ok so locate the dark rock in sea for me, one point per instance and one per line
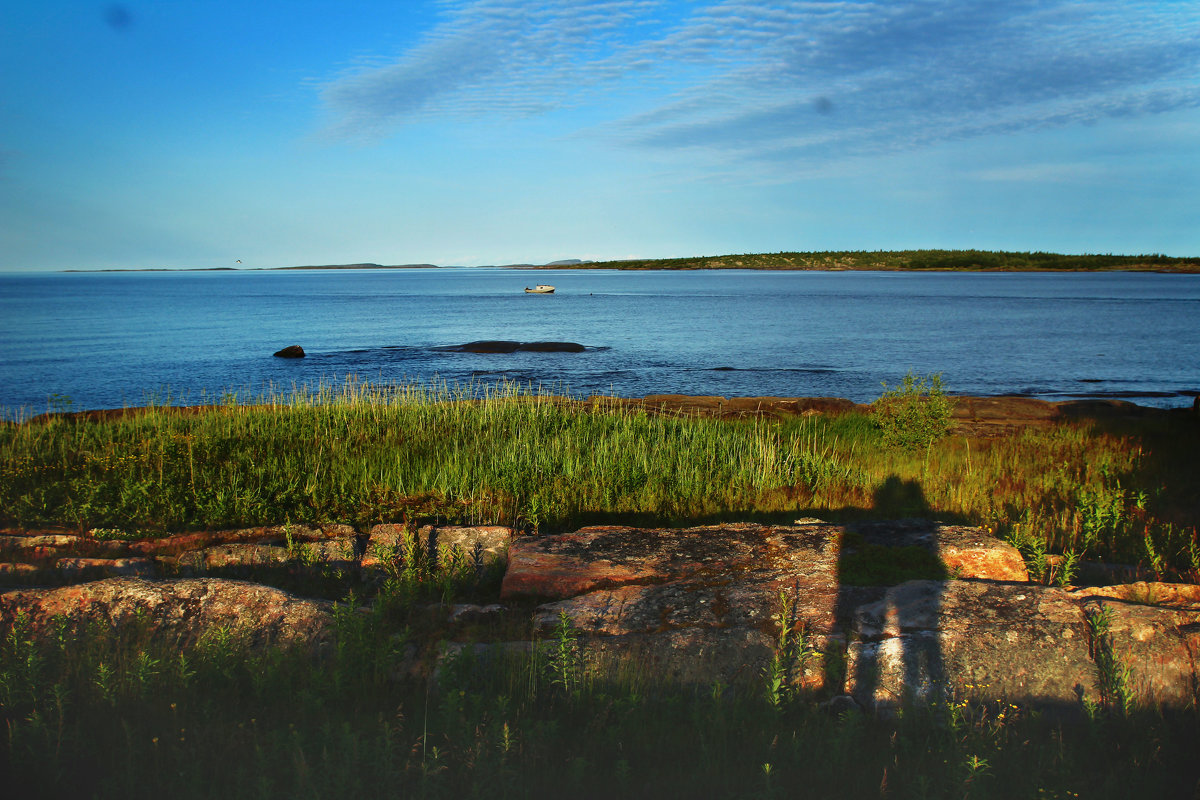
(293, 351)
(552, 347)
(497, 346)
(487, 346)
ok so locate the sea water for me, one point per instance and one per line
(107, 340)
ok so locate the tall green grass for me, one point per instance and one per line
(359, 454)
(121, 714)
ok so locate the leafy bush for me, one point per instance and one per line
(914, 414)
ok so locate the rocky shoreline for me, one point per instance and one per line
(687, 605)
(700, 605)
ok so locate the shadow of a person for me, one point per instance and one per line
(890, 584)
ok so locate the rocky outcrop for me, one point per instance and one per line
(232, 555)
(1181, 596)
(707, 603)
(291, 351)
(177, 611)
(934, 640)
(693, 605)
(186, 542)
(66, 558)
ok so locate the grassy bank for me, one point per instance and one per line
(121, 714)
(912, 260)
(362, 456)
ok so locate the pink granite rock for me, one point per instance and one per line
(178, 611)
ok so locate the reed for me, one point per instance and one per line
(509, 454)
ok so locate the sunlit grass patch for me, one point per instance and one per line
(362, 454)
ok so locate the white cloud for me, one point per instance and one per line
(787, 80)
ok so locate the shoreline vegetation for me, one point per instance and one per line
(842, 260)
(117, 713)
(1121, 488)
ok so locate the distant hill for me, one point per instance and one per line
(957, 260)
(363, 266)
(912, 260)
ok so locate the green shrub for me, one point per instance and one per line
(914, 414)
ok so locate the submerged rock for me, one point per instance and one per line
(292, 351)
(487, 346)
(551, 347)
(504, 346)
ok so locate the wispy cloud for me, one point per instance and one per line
(1041, 173)
(489, 58)
(787, 80)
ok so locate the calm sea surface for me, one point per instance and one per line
(106, 340)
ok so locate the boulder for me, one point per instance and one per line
(551, 347)
(505, 346)
(972, 552)
(38, 547)
(228, 556)
(291, 351)
(49, 541)
(185, 542)
(487, 346)
(265, 554)
(707, 604)
(179, 612)
(483, 544)
(936, 640)
(618, 580)
(1160, 646)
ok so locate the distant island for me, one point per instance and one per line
(961, 260)
(829, 260)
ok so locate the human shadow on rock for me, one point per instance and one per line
(890, 585)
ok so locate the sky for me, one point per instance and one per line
(206, 133)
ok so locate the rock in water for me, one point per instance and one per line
(293, 351)
(504, 346)
(488, 346)
(551, 347)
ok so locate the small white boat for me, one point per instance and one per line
(541, 288)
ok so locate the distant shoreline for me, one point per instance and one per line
(823, 261)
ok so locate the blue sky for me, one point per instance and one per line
(194, 134)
